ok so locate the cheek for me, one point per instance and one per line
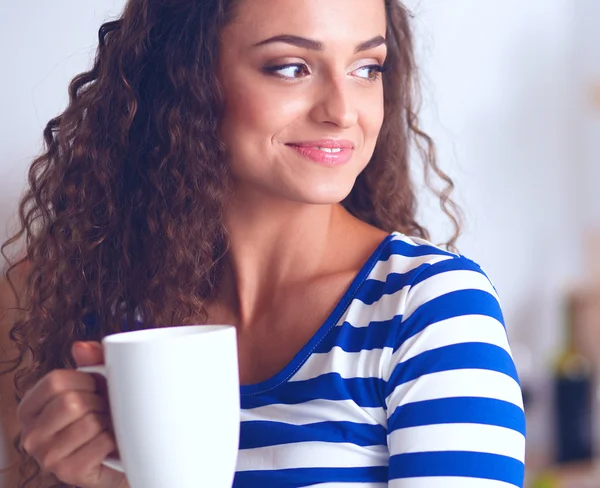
(373, 113)
(380, 107)
(258, 110)
(378, 120)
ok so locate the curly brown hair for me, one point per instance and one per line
(123, 214)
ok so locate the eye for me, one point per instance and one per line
(289, 71)
(371, 72)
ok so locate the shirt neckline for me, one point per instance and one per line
(301, 357)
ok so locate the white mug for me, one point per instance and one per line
(175, 405)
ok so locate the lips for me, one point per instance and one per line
(327, 152)
(325, 143)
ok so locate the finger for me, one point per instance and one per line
(90, 353)
(51, 385)
(87, 353)
(60, 412)
(70, 439)
(84, 466)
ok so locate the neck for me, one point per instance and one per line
(273, 244)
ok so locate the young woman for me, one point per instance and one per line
(247, 162)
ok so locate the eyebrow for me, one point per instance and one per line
(313, 45)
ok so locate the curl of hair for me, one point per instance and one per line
(123, 214)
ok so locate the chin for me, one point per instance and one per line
(324, 196)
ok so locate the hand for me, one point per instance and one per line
(66, 424)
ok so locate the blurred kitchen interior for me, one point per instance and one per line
(512, 97)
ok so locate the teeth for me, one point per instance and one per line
(330, 149)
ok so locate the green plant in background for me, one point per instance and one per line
(545, 480)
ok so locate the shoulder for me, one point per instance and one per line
(10, 313)
(13, 304)
(413, 284)
(448, 319)
(12, 297)
(417, 268)
(417, 258)
(445, 309)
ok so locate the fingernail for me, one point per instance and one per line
(79, 345)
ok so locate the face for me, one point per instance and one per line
(303, 95)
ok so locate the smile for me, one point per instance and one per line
(324, 156)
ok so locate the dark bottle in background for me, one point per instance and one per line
(573, 396)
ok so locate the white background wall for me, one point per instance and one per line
(499, 100)
(505, 82)
(507, 98)
(498, 92)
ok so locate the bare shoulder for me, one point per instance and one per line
(9, 426)
(11, 302)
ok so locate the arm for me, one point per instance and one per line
(455, 412)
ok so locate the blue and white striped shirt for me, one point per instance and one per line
(409, 383)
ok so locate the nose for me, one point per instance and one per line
(335, 104)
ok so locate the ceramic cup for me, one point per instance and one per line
(175, 405)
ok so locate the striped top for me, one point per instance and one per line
(409, 383)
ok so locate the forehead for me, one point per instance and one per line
(329, 21)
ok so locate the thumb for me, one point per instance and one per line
(87, 353)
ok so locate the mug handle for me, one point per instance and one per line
(110, 462)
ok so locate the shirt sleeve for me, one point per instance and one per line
(453, 399)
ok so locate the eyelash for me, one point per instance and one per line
(379, 70)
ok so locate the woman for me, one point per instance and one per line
(247, 162)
